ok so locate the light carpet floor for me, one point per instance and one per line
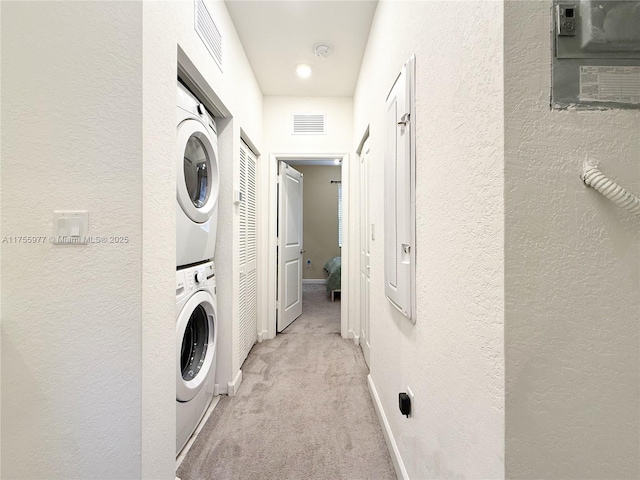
(303, 410)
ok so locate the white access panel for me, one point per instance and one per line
(399, 193)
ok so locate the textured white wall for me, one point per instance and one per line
(71, 315)
(572, 275)
(453, 357)
(158, 252)
(277, 121)
(96, 379)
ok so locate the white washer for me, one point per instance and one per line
(197, 181)
(196, 339)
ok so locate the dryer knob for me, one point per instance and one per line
(200, 276)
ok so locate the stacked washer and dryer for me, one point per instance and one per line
(196, 228)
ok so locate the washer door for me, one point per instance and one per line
(197, 171)
(195, 342)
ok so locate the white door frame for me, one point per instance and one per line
(268, 248)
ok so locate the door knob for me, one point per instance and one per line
(302, 251)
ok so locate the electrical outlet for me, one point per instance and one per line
(413, 401)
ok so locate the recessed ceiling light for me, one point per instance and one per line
(303, 70)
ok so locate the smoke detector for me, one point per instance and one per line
(321, 50)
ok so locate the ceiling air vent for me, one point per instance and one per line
(209, 33)
(308, 124)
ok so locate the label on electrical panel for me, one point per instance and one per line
(610, 84)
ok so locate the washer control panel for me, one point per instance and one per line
(193, 278)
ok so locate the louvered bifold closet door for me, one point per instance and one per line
(248, 299)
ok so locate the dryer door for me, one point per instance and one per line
(195, 341)
(197, 171)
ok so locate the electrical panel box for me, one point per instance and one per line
(400, 193)
(596, 57)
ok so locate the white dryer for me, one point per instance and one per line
(196, 339)
(197, 181)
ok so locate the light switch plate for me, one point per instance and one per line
(70, 227)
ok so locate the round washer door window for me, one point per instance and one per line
(195, 345)
(197, 168)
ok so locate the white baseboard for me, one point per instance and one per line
(262, 336)
(233, 386)
(396, 459)
(356, 338)
(314, 281)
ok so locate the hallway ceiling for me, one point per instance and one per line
(278, 35)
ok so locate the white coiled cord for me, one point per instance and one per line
(597, 180)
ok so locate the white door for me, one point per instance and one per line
(365, 252)
(289, 246)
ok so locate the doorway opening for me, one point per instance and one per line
(298, 254)
(310, 192)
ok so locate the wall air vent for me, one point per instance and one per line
(309, 124)
(208, 32)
